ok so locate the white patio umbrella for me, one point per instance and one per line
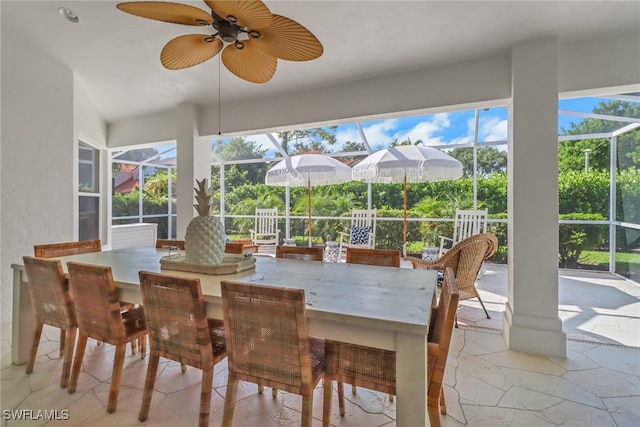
(407, 164)
(307, 170)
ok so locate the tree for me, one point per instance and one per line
(304, 140)
(238, 148)
(158, 185)
(490, 160)
(571, 154)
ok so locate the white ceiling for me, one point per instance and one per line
(116, 56)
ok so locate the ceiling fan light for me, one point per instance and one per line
(228, 32)
(239, 45)
(254, 34)
(232, 19)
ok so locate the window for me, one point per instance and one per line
(88, 192)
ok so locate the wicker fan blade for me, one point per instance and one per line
(187, 51)
(286, 39)
(250, 63)
(252, 14)
(167, 12)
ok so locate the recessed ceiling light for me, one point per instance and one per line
(68, 15)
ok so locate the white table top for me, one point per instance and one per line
(388, 298)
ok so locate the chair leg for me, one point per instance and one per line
(274, 392)
(326, 405)
(77, 362)
(307, 409)
(116, 376)
(69, 343)
(341, 399)
(205, 396)
(230, 400)
(434, 414)
(143, 345)
(353, 389)
(152, 371)
(34, 348)
(443, 404)
(482, 304)
(63, 335)
(183, 368)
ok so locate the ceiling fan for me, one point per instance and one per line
(254, 37)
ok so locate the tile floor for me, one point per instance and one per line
(598, 384)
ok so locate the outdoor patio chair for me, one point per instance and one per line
(268, 343)
(375, 368)
(179, 330)
(382, 257)
(265, 231)
(53, 306)
(362, 231)
(99, 316)
(305, 253)
(467, 223)
(168, 243)
(54, 250)
(465, 258)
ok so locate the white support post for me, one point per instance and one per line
(531, 323)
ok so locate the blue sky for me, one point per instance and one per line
(444, 128)
(440, 129)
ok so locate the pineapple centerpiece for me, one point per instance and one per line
(205, 239)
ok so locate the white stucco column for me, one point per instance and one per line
(531, 323)
(193, 162)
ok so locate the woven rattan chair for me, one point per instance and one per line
(268, 343)
(54, 250)
(305, 253)
(241, 246)
(53, 306)
(179, 330)
(168, 243)
(465, 258)
(382, 257)
(99, 316)
(376, 368)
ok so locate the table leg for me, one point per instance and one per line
(411, 380)
(23, 320)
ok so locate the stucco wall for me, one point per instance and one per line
(37, 156)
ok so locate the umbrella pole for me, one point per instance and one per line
(404, 241)
(309, 201)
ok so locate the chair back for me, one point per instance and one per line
(49, 292)
(469, 223)
(96, 302)
(361, 220)
(442, 329)
(54, 250)
(266, 335)
(467, 256)
(176, 319)
(305, 253)
(266, 222)
(168, 243)
(382, 257)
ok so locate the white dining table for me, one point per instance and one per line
(383, 307)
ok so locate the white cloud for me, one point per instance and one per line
(426, 130)
(493, 129)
